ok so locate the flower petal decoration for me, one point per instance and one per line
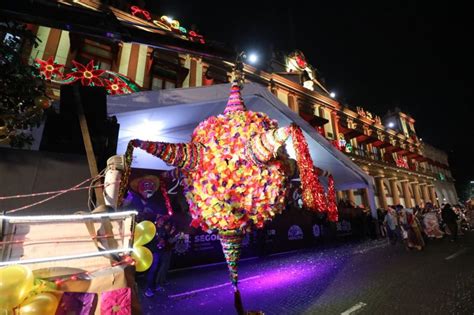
(49, 69)
(88, 75)
(116, 86)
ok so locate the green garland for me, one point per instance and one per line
(126, 173)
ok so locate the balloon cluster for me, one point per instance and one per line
(22, 294)
(144, 232)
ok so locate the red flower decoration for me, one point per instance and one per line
(49, 68)
(87, 74)
(116, 86)
(300, 60)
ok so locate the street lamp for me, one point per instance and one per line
(391, 125)
(332, 94)
(252, 58)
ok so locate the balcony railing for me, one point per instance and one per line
(367, 154)
(371, 156)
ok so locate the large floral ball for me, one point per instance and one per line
(229, 191)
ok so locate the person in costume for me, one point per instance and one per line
(431, 223)
(141, 197)
(415, 238)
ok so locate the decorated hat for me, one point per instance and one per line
(135, 182)
(235, 102)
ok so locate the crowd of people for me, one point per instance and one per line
(413, 226)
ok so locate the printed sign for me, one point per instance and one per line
(295, 233)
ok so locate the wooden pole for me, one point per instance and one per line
(99, 193)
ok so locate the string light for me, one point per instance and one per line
(67, 257)
(52, 197)
(47, 193)
(85, 275)
(69, 217)
(28, 242)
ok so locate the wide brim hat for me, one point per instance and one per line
(134, 183)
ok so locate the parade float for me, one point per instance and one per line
(235, 182)
(235, 176)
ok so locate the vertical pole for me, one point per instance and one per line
(99, 194)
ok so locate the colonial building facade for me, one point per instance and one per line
(164, 55)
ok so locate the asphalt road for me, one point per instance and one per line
(371, 277)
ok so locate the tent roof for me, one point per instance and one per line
(171, 116)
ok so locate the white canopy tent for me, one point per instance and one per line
(172, 115)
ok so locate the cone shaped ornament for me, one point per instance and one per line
(182, 155)
(231, 241)
(264, 146)
(235, 102)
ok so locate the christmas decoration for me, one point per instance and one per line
(42, 102)
(89, 75)
(138, 11)
(49, 69)
(115, 83)
(116, 86)
(168, 24)
(19, 87)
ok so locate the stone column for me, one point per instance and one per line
(433, 195)
(350, 196)
(381, 191)
(365, 198)
(406, 193)
(394, 189)
(335, 124)
(416, 192)
(426, 194)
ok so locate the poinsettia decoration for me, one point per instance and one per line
(87, 74)
(116, 87)
(49, 69)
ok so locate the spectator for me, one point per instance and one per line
(381, 213)
(391, 225)
(168, 237)
(450, 219)
(161, 247)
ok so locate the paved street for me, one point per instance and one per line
(370, 277)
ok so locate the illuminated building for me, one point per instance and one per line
(160, 53)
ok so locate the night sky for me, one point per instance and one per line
(376, 55)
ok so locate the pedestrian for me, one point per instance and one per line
(403, 223)
(381, 213)
(168, 237)
(450, 219)
(161, 247)
(391, 226)
(153, 271)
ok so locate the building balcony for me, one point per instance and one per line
(365, 157)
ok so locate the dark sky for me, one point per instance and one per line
(376, 55)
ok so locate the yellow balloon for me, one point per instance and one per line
(16, 282)
(4, 311)
(40, 304)
(144, 232)
(143, 258)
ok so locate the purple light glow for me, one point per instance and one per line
(297, 274)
